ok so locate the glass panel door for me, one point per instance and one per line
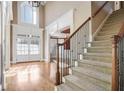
(22, 48)
(34, 48)
(27, 48)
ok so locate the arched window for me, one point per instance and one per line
(28, 13)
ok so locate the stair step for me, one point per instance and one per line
(105, 37)
(114, 22)
(108, 32)
(118, 11)
(100, 66)
(94, 74)
(96, 63)
(111, 24)
(82, 83)
(65, 87)
(116, 17)
(112, 27)
(99, 79)
(101, 43)
(99, 50)
(105, 57)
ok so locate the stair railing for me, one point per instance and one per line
(117, 59)
(53, 46)
(70, 51)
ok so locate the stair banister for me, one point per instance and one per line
(115, 58)
(66, 54)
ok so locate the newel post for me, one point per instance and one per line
(57, 72)
(115, 79)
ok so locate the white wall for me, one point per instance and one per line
(54, 30)
(27, 30)
(55, 10)
(98, 19)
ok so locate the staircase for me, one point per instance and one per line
(94, 72)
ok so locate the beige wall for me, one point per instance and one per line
(101, 15)
(54, 10)
(41, 17)
(42, 25)
(15, 14)
(14, 21)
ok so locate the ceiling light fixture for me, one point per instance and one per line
(36, 3)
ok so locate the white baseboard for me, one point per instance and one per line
(46, 60)
(101, 25)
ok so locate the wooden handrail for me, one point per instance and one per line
(88, 19)
(97, 12)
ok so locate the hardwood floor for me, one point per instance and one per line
(33, 76)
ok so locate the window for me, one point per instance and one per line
(27, 45)
(22, 47)
(34, 47)
(28, 13)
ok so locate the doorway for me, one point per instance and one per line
(27, 44)
(27, 48)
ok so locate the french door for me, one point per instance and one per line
(27, 48)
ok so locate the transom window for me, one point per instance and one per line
(28, 13)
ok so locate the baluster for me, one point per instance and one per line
(74, 51)
(68, 60)
(76, 46)
(57, 73)
(66, 57)
(61, 64)
(70, 53)
(63, 61)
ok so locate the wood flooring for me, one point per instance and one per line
(31, 76)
